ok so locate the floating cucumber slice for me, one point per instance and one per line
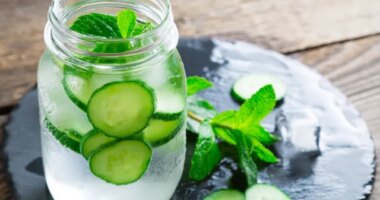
(79, 85)
(54, 102)
(121, 109)
(160, 131)
(121, 162)
(226, 194)
(170, 104)
(265, 192)
(67, 138)
(248, 85)
(92, 141)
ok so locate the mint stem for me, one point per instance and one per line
(195, 117)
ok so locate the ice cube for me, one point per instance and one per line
(299, 130)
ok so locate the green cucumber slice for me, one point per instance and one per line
(121, 109)
(121, 162)
(248, 85)
(79, 85)
(160, 131)
(92, 141)
(170, 104)
(226, 194)
(265, 192)
(68, 138)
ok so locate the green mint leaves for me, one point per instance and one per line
(124, 25)
(96, 24)
(126, 21)
(196, 84)
(206, 155)
(240, 128)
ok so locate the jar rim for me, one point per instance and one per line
(68, 45)
(58, 25)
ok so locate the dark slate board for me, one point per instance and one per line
(344, 169)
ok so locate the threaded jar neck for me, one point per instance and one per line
(78, 49)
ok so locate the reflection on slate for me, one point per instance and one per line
(344, 169)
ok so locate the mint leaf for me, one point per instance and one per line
(141, 28)
(202, 109)
(262, 152)
(245, 160)
(196, 84)
(223, 123)
(96, 24)
(257, 107)
(259, 133)
(126, 21)
(206, 154)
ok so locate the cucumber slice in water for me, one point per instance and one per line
(265, 192)
(79, 85)
(121, 109)
(92, 141)
(160, 131)
(121, 162)
(68, 138)
(170, 104)
(248, 85)
(226, 194)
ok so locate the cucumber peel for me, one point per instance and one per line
(226, 194)
(121, 162)
(248, 85)
(92, 141)
(159, 131)
(121, 109)
(68, 138)
(265, 192)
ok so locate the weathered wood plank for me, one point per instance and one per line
(281, 25)
(354, 67)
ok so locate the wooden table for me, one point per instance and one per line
(339, 38)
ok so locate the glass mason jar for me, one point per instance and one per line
(112, 111)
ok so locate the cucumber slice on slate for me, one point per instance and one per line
(160, 131)
(226, 194)
(92, 141)
(121, 162)
(248, 85)
(121, 109)
(265, 192)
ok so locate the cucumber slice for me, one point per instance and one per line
(77, 86)
(121, 109)
(226, 194)
(248, 85)
(92, 141)
(265, 192)
(121, 162)
(69, 138)
(160, 131)
(170, 105)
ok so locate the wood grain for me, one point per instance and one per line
(281, 25)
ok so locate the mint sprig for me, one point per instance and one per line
(124, 25)
(126, 21)
(206, 155)
(240, 128)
